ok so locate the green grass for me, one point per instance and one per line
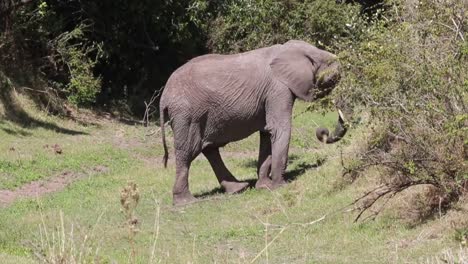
(45, 163)
(221, 228)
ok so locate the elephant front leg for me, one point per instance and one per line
(229, 183)
(279, 156)
(264, 162)
(278, 123)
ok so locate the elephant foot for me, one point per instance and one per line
(278, 184)
(264, 184)
(234, 187)
(183, 199)
(269, 184)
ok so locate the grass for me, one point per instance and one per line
(268, 227)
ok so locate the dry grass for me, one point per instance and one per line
(449, 256)
(63, 245)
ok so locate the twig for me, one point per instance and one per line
(33, 90)
(149, 106)
(283, 210)
(283, 228)
(384, 190)
(271, 242)
(312, 222)
(457, 26)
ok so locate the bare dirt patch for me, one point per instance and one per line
(43, 187)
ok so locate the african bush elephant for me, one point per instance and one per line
(216, 99)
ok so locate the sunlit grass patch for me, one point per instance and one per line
(306, 221)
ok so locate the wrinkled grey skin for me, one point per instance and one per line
(216, 99)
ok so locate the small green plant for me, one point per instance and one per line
(461, 235)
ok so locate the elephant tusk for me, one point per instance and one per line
(341, 116)
(325, 138)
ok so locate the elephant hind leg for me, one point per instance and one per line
(229, 183)
(187, 143)
(181, 192)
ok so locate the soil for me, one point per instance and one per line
(42, 187)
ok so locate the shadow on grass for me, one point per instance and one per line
(219, 190)
(252, 162)
(16, 114)
(13, 131)
(289, 176)
(300, 169)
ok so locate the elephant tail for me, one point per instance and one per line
(162, 111)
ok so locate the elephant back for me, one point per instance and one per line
(225, 77)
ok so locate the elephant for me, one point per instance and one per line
(215, 99)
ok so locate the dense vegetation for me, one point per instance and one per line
(411, 72)
(98, 52)
(405, 63)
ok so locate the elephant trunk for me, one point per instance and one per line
(329, 76)
(341, 128)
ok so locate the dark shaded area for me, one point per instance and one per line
(368, 7)
(134, 45)
(14, 132)
(252, 162)
(219, 190)
(215, 191)
(17, 115)
(289, 176)
(300, 169)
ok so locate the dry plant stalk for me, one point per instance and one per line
(156, 225)
(129, 198)
(59, 245)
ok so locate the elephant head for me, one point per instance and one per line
(310, 73)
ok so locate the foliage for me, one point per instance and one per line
(235, 26)
(411, 73)
(61, 52)
(100, 50)
(461, 235)
(82, 85)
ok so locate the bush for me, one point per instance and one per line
(82, 86)
(59, 51)
(99, 51)
(411, 73)
(235, 26)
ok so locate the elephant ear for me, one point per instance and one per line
(296, 70)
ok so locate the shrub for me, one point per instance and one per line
(244, 25)
(82, 86)
(411, 73)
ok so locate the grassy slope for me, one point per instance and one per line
(221, 229)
